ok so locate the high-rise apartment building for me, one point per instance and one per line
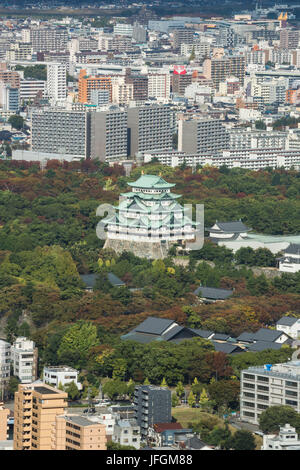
(149, 129)
(5, 358)
(139, 83)
(46, 39)
(109, 135)
(4, 413)
(289, 38)
(269, 385)
(152, 405)
(87, 83)
(9, 97)
(202, 135)
(182, 36)
(219, 69)
(74, 432)
(180, 82)
(11, 77)
(24, 357)
(35, 409)
(159, 84)
(57, 81)
(60, 131)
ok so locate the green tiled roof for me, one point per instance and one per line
(151, 181)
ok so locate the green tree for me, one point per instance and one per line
(72, 391)
(272, 418)
(243, 440)
(191, 399)
(16, 121)
(77, 342)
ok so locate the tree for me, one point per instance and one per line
(72, 391)
(164, 383)
(191, 399)
(175, 400)
(204, 400)
(243, 440)
(16, 121)
(77, 342)
(180, 390)
(273, 417)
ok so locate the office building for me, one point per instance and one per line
(30, 88)
(35, 409)
(57, 81)
(149, 128)
(108, 135)
(269, 385)
(202, 135)
(61, 132)
(24, 356)
(61, 375)
(152, 405)
(75, 432)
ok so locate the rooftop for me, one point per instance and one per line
(151, 182)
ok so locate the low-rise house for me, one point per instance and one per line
(287, 439)
(127, 433)
(90, 281)
(194, 443)
(290, 326)
(167, 434)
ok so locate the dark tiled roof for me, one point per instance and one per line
(213, 293)
(194, 443)
(226, 347)
(203, 333)
(287, 321)
(247, 337)
(262, 345)
(235, 226)
(140, 337)
(154, 325)
(264, 334)
(114, 280)
(293, 249)
(89, 280)
(220, 337)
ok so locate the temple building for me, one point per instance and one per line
(148, 220)
(228, 231)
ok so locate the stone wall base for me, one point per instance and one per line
(155, 250)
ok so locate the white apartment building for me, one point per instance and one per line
(287, 439)
(159, 84)
(122, 93)
(269, 385)
(241, 138)
(56, 375)
(5, 357)
(57, 81)
(123, 29)
(24, 357)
